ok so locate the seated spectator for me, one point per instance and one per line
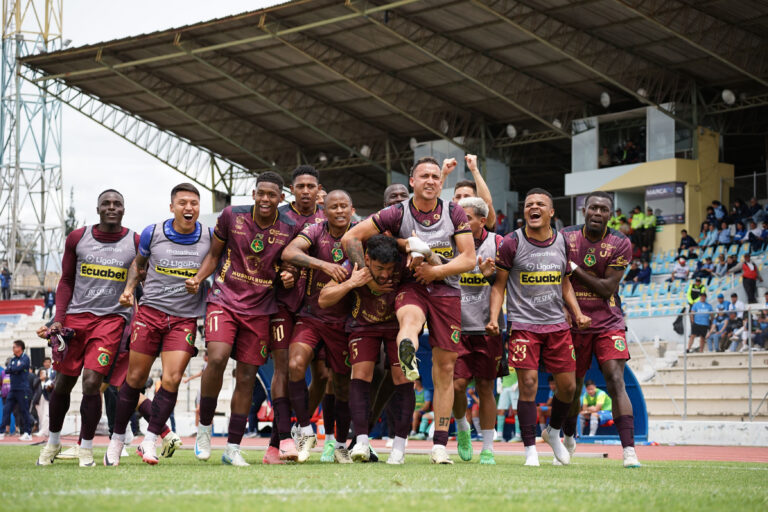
(719, 210)
(721, 267)
(718, 328)
(595, 406)
(755, 211)
(738, 335)
(679, 271)
(422, 412)
(724, 235)
(734, 324)
(634, 269)
(759, 332)
(545, 409)
(705, 270)
(687, 241)
(737, 305)
(765, 299)
(700, 321)
(740, 235)
(755, 237)
(711, 239)
(644, 277)
(739, 212)
(710, 219)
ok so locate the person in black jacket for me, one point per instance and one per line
(20, 392)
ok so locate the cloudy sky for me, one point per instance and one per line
(94, 159)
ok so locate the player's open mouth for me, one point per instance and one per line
(535, 215)
(188, 216)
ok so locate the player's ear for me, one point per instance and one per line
(253, 194)
(170, 207)
(282, 197)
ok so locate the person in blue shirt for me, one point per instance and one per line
(740, 234)
(49, 300)
(719, 210)
(20, 392)
(719, 325)
(700, 319)
(711, 237)
(5, 283)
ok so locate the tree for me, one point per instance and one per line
(70, 223)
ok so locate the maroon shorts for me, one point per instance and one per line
(332, 336)
(555, 349)
(248, 334)
(605, 345)
(281, 329)
(483, 360)
(119, 370)
(155, 331)
(95, 344)
(443, 316)
(365, 346)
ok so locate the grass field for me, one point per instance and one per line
(184, 484)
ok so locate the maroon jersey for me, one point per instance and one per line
(323, 246)
(370, 310)
(613, 250)
(293, 297)
(391, 219)
(244, 279)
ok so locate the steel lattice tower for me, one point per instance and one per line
(31, 195)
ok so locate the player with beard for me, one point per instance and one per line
(423, 225)
(166, 320)
(486, 352)
(598, 257)
(318, 248)
(93, 273)
(305, 210)
(245, 253)
(532, 265)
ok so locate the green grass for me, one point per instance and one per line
(184, 484)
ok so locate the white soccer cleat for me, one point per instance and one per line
(85, 455)
(148, 452)
(531, 456)
(440, 455)
(305, 445)
(295, 433)
(630, 458)
(170, 442)
(25, 437)
(115, 450)
(203, 442)
(570, 444)
(396, 457)
(47, 454)
(561, 452)
(233, 457)
(341, 455)
(361, 453)
(70, 453)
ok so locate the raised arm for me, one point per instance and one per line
(483, 192)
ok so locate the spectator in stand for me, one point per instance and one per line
(625, 228)
(740, 235)
(644, 277)
(755, 212)
(759, 332)
(558, 222)
(686, 240)
(634, 269)
(605, 158)
(49, 301)
(737, 305)
(710, 219)
(719, 210)
(721, 267)
(18, 368)
(694, 291)
(732, 265)
(765, 297)
(679, 271)
(711, 239)
(749, 278)
(733, 329)
(700, 322)
(718, 328)
(502, 223)
(705, 270)
(422, 411)
(617, 219)
(636, 223)
(649, 228)
(764, 234)
(595, 407)
(5, 283)
(724, 236)
(755, 237)
(739, 212)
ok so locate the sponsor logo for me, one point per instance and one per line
(590, 260)
(621, 260)
(573, 353)
(263, 351)
(104, 261)
(337, 254)
(541, 278)
(190, 338)
(446, 252)
(257, 245)
(619, 343)
(456, 336)
(103, 272)
(177, 252)
(469, 279)
(184, 273)
(346, 359)
(100, 292)
(543, 299)
(103, 359)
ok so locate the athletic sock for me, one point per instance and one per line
(360, 405)
(118, 437)
(500, 424)
(151, 438)
(423, 425)
(299, 396)
(162, 407)
(362, 439)
(236, 428)
(330, 439)
(569, 425)
(54, 438)
(625, 424)
(307, 431)
(403, 403)
(145, 410)
(398, 443)
(87, 444)
(329, 412)
(517, 426)
(488, 439)
(207, 410)
(559, 412)
(526, 411)
(90, 414)
(476, 424)
(440, 437)
(233, 446)
(165, 432)
(343, 420)
(462, 425)
(57, 410)
(593, 424)
(282, 408)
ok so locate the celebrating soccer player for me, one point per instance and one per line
(431, 293)
(170, 252)
(94, 269)
(598, 257)
(245, 250)
(532, 265)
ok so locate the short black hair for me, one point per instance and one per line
(305, 169)
(19, 343)
(465, 183)
(424, 160)
(598, 193)
(107, 191)
(389, 189)
(46, 359)
(685, 231)
(537, 190)
(551, 378)
(589, 382)
(184, 187)
(734, 295)
(383, 249)
(270, 177)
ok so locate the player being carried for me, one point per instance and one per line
(533, 266)
(431, 292)
(165, 323)
(598, 257)
(245, 251)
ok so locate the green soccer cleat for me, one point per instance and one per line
(486, 457)
(328, 449)
(464, 440)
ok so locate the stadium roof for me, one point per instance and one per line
(346, 85)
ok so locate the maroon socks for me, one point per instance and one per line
(329, 412)
(626, 427)
(236, 428)
(207, 409)
(127, 398)
(526, 413)
(299, 395)
(559, 412)
(162, 407)
(360, 404)
(90, 414)
(57, 410)
(569, 425)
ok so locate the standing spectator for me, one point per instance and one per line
(617, 219)
(710, 219)
(47, 375)
(649, 228)
(738, 212)
(718, 329)
(19, 392)
(686, 240)
(558, 222)
(719, 210)
(700, 321)
(605, 158)
(679, 271)
(5, 283)
(636, 223)
(625, 228)
(502, 223)
(724, 236)
(49, 301)
(750, 276)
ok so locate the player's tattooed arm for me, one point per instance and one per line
(207, 267)
(497, 297)
(352, 241)
(334, 291)
(606, 286)
(135, 272)
(296, 254)
(581, 320)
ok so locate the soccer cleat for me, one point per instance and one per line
(374, 456)
(170, 442)
(232, 457)
(86, 457)
(124, 452)
(272, 455)
(115, 450)
(47, 454)
(406, 353)
(440, 455)
(421, 436)
(328, 449)
(464, 441)
(630, 458)
(560, 451)
(295, 432)
(396, 457)
(25, 437)
(532, 459)
(361, 453)
(70, 453)
(148, 452)
(306, 443)
(203, 442)
(486, 457)
(287, 450)
(341, 455)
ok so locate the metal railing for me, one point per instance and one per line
(745, 186)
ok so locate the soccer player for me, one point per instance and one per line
(532, 265)
(598, 257)
(245, 249)
(468, 188)
(395, 193)
(318, 248)
(304, 212)
(431, 292)
(483, 361)
(93, 273)
(165, 323)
